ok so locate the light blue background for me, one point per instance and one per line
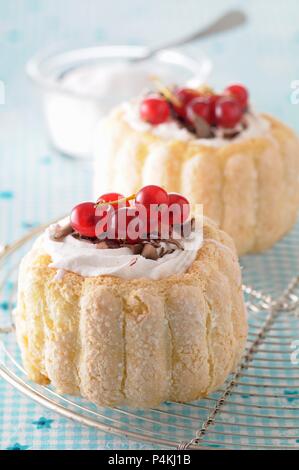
(36, 184)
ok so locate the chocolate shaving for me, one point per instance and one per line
(105, 244)
(149, 252)
(155, 243)
(149, 248)
(162, 252)
(92, 240)
(202, 128)
(137, 248)
(165, 251)
(231, 134)
(102, 245)
(173, 241)
(134, 261)
(58, 232)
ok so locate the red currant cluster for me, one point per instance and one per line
(219, 110)
(150, 212)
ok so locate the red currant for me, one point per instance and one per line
(239, 92)
(154, 110)
(83, 219)
(105, 211)
(151, 194)
(184, 95)
(180, 211)
(151, 197)
(199, 107)
(126, 225)
(228, 112)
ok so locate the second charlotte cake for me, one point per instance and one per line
(243, 167)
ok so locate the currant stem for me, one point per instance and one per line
(166, 92)
(117, 201)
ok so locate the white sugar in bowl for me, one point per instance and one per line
(80, 86)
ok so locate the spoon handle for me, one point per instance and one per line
(226, 22)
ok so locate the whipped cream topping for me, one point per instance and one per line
(84, 258)
(255, 126)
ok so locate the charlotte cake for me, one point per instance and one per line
(243, 166)
(124, 322)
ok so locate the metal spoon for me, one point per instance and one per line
(230, 20)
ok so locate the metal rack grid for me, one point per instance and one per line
(258, 406)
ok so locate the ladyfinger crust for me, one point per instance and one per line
(134, 342)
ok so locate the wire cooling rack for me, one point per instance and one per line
(258, 406)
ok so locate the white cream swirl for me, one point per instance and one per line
(82, 257)
(256, 126)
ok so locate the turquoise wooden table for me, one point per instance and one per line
(37, 185)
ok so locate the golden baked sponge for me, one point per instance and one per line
(134, 342)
